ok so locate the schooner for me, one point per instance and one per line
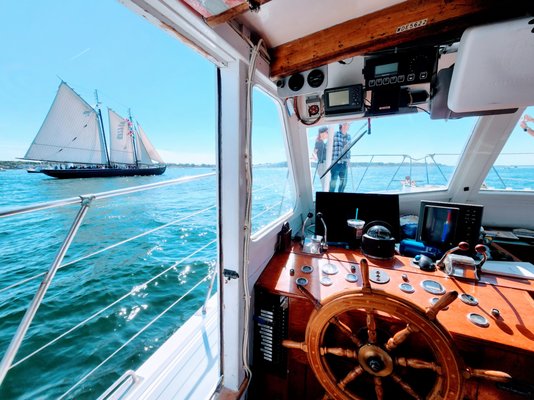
(72, 135)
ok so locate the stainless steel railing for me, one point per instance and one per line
(85, 201)
(413, 165)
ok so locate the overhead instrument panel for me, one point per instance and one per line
(307, 82)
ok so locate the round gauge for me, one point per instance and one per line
(296, 82)
(329, 269)
(478, 320)
(307, 269)
(406, 287)
(315, 78)
(351, 278)
(433, 287)
(302, 281)
(468, 299)
(326, 280)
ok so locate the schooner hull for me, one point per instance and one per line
(102, 172)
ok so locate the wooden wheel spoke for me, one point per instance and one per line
(443, 302)
(339, 351)
(346, 330)
(407, 388)
(335, 320)
(371, 327)
(379, 390)
(399, 337)
(326, 397)
(353, 374)
(418, 364)
(291, 344)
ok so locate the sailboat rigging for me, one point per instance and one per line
(73, 133)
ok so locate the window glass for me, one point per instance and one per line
(273, 191)
(403, 153)
(514, 168)
(140, 264)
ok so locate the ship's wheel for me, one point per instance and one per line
(368, 344)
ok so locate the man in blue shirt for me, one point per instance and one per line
(339, 171)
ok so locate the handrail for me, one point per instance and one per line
(93, 316)
(45, 284)
(118, 383)
(144, 328)
(84, 201)
(101, 195)
(31, 278)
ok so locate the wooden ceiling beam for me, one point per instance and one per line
(232, 13)
(430, 19)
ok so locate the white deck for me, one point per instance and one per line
(187, 366)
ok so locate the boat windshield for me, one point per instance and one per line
(514, 168)
(402, 153)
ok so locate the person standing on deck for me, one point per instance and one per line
(319, 153)
(339, 171)
(523, 124)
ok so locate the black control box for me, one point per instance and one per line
(400, 69)
(270, 329)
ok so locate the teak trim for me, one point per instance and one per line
(445, 19)
(232, 13)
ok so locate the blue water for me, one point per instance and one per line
(384, 177)
(30, 242)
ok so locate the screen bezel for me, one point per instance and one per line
(469, 234)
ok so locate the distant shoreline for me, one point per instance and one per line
(25, 165)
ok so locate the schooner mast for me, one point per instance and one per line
(133, 136)
(102, 129)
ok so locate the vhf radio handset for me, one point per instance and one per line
(315, 244)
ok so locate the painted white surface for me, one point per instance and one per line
(284, 21)
(187, 366)
(494, 68)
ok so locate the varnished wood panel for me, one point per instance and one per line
(514, 328)
(508, 344)
(444, 20)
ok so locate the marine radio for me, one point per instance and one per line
(400, 69)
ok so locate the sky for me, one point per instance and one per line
(102, 45)
(169, 88)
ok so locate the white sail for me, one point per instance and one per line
(70, 132)
(121, 139)
(153, 155)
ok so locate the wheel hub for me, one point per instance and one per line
(375, 360)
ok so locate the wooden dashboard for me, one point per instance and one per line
(506, 304)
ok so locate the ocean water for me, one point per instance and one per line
(30, 242)
(116, 278)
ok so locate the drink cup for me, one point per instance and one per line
(357, 227)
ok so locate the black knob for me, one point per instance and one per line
(375, 364)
